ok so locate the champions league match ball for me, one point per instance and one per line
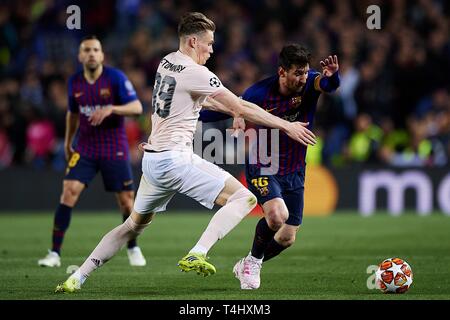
(394, 275)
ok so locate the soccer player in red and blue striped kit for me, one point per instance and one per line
(95, 140)
(292, 94)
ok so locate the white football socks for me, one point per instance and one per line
(226, 218)
(110, 244)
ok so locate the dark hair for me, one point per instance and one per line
(193, 23)
(293, 54)
(89, 37)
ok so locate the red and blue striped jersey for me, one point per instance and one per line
(107, 140)
(298, 107)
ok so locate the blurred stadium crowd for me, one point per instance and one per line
(393, 106)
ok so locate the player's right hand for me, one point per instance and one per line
(238, 125)
(298, 131)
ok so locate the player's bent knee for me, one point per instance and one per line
(70, 194)
(276, 217)
(252, 200)
(286, 241)
(141, 218)
(243, 194)
(245, 197)
(275, 223)
(136, 228)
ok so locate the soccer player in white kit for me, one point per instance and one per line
(182, 87)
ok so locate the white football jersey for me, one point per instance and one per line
(181, 85)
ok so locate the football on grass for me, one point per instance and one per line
(394, 275)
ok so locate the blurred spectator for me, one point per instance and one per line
(365, 141)
(5, 150)
(418, 152)
(57, 108)
(32, 92)
(314, 154)
(41, 140)
(372, 93)
(134, 135)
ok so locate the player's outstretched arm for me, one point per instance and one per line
(215, 111)
(132, 108)
(253, 113)
(295, 130)
(213, 105)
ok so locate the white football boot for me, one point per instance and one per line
(136, 257)
(52, 259)
(247, 270)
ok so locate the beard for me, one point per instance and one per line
(295, 88)
(299, 87)
(92, 67)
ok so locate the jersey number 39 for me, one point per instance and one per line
(163, 95)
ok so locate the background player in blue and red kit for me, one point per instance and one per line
(99, 98)
(292, 94)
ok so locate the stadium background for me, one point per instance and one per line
(384, 137)
(392, 110)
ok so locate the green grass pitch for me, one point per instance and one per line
(328, 261)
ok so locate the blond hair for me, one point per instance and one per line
(194, 23)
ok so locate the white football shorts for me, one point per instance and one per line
(168, 172)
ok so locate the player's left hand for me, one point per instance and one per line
(329, 65)
(238, 124)
(99, 115)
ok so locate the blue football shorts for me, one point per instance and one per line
(117, 174)
(289, 187)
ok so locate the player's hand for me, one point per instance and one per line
(97, 117)
(68, 152)
(299, 132)
(238, 124)
(142, 145)
(329, 65)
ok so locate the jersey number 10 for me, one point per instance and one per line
(163, 94)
